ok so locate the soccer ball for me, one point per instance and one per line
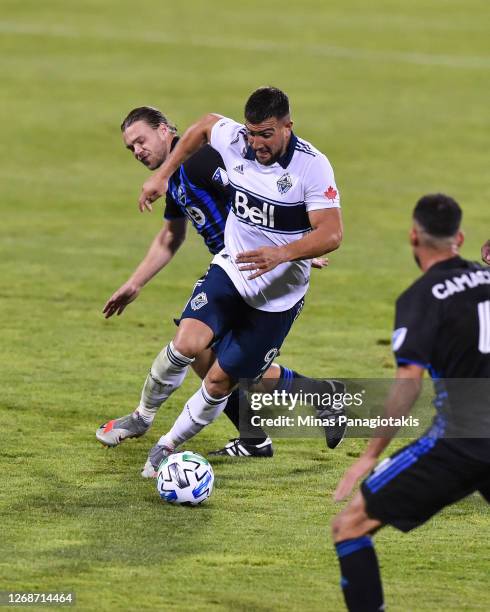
(185, 478)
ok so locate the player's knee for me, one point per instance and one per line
(218, 383)
(353, 521)
(347, 523)
(192, 337)
(218, 388)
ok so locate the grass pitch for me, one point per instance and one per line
(394, 94)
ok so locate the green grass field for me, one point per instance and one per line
(394, 93)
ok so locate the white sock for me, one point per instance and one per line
(166, 375)
(200, 410)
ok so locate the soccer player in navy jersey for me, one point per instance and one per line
(285, 211)
(442, 325)
(199, 192)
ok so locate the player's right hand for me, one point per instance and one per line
(119, 300)
(485, 252)
(152, 189)
(319, 262)
(356, 471)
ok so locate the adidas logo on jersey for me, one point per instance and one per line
(260, 216)
(239, 169)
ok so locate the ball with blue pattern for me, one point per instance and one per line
(185, 478)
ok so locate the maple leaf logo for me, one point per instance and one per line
(331, 193)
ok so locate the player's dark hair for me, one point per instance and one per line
(438, 214)
(266, 102)
(152, 116)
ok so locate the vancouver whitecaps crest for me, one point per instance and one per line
(199, 301)
(285, 183)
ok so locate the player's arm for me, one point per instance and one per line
(401, 397)
(193, 139)
(325, 237)
(164, 246)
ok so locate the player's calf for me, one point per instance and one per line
(327, 398)
(335, 412)
(360, 575)
(166, 374)
(200, 410)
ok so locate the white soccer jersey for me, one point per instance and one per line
(269, 208)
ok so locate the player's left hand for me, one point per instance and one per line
(261, 260)
(356, 471)
(319, 262)
(485, 252)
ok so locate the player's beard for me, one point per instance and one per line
(417, 260)
(157, 164)
(272, 159)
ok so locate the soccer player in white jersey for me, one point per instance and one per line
(285, 211)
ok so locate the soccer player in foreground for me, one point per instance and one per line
(285, 211)
(443, 326)
(199, 192)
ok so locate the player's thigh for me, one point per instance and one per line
(250, 347)
(213, 303)
(408, 488)
(192, 337)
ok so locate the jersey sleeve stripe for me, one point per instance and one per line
(301, 150)
(403, 361)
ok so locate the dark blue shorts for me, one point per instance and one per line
(420, 479)
(246, 340)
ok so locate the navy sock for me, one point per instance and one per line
(361, 580)
(286, 378)
(232, 409)
(294, 382)
(241, 419)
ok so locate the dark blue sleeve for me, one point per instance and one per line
(416, 327)
(206, 170)
(172, 210)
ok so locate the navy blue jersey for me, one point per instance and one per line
(443, 324)
(199, 190)
(443, 321)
